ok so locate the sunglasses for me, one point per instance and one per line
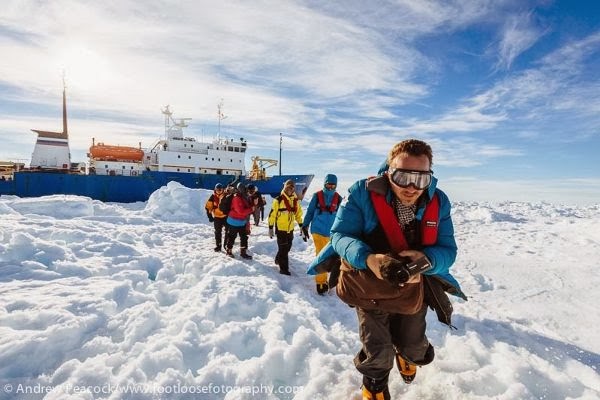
(406, 177)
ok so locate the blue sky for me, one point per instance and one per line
(506, 92)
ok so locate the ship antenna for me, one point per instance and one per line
(168, 113)
(65, 132)
(221, 117)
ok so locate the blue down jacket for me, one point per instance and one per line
(357, 218)
(321, 221)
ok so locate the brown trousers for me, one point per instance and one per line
(383, 335)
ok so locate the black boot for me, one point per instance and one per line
(230, 253)
(375, 389)
(218, 248)
(322, 288)
(244, 254)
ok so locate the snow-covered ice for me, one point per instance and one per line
(100, 301)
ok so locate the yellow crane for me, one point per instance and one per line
(259, 166)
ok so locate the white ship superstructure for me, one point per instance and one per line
(177, 153)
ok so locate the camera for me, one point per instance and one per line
(398, 270)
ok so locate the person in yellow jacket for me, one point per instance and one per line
(284, 212)
(215, 215)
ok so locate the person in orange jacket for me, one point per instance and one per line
(216, 216)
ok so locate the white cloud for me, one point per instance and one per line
(518, 35)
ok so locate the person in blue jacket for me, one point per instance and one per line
(390, 298)
(320, 215)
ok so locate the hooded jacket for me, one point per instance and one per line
(357, 219)
(321, 221)
(212, 204)
(280, 217)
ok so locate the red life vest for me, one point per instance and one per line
(290, 209)
(393, 232)
(334, 202)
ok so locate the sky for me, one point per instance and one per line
(507, 92)
(101, 299)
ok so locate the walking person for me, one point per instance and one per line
(237, 220)
(319, 216)
(256, 199)
(395, 238)
(285, 213)
(216, 216)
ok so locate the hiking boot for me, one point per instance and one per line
(218, 248)
(284, 272)
(276, 260)
(408, 371)
(244, 254)
(375, 389)
(322, 288)
(369, 395)
(230, 253)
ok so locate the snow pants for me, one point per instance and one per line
(320, 242)
(232, 232)
(284, 245)
(219, 224)
(383, 335)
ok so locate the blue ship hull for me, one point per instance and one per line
(129, 189)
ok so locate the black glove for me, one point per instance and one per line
(305, 234)
(210, 217)
(399, 270)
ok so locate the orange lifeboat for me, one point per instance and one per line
(104, 152)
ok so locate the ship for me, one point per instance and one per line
(126, 174)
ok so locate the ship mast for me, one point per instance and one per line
(65, 132)
(167, 113)
(221, 117)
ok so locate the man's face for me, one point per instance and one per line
(408, 195)
(289, 190)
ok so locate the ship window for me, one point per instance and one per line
(189, 170)
(178, 156)
(189, 157)
(206, 158)
(231, 159)
(106, 166)
(191, 145)
(207, 147)
(219, 159)
(123, 167)
(237, 149)
(177, 169)
(230, 148)
(213, 159)
(184, 145)
(132, 167)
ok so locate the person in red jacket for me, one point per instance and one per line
(238, 217)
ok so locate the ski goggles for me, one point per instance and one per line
(406, 177)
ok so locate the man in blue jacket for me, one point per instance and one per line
(391, 275)
(320, 215)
